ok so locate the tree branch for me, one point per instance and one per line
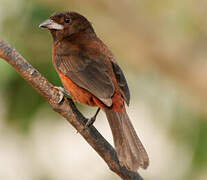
(67, 109)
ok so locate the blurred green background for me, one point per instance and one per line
(161, 47)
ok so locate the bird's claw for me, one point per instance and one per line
(90, 122)
(61, 92)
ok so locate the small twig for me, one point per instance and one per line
(67, 109)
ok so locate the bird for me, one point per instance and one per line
(91, 75)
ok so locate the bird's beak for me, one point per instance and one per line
(50, 24)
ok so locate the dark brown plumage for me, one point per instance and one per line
(91, 76)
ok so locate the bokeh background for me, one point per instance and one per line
(161, 47)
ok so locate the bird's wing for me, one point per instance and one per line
(121, 80)
(88, 73)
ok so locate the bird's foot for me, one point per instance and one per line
(92, 119)
(62, 91)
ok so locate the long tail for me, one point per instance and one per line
(129, 148)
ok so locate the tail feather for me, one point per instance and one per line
(129, 148)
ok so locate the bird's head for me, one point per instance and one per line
(64, 24)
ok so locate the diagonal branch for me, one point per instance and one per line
(67, 109)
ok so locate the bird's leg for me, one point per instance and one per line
(92, 119)
(62, 91)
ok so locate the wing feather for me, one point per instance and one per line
(121, 80)
(90, 74)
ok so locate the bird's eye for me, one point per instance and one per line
(67, 20)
